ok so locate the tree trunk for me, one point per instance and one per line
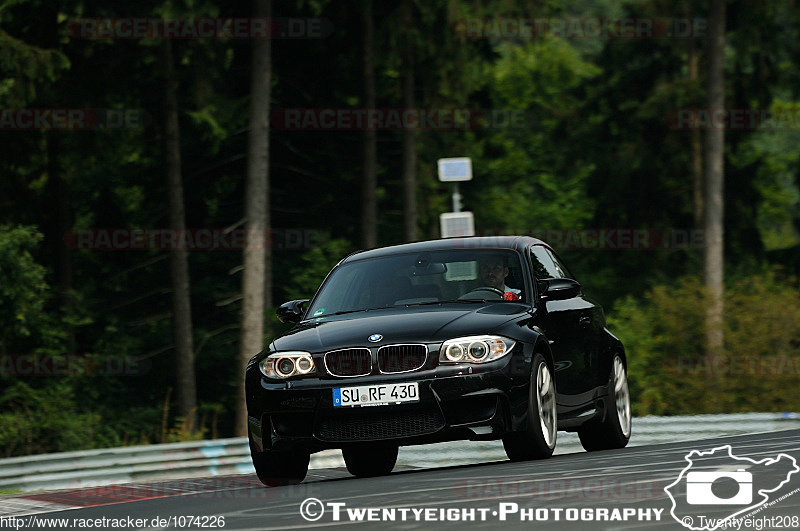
(257, 272)
(369, 200)
(697, 148)
(713, 259)
(409, 143)
(178, 258)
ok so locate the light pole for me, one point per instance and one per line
(456, 223)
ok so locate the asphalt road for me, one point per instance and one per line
(603, 490)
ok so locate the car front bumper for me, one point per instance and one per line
(455, 402)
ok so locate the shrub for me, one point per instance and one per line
(669, 373)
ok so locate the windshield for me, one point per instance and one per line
(465, 275)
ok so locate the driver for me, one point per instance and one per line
(493, 271)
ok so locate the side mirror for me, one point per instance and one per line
(559, 289)
(291, 312)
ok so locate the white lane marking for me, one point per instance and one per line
(25, 506)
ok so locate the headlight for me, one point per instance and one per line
(474, 349)
(285, 364)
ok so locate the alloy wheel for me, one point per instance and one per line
(622, 397)
(546, 401)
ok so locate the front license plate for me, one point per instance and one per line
(376, 395)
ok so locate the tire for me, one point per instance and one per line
(614, 431)
(537, 439)
(370, 460)
(275, 469)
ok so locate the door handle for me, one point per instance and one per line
(585, 321)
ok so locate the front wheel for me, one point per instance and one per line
(615, 429)
(275, 469)
(537, 439)
(370, 460)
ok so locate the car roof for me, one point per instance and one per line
(478, 242)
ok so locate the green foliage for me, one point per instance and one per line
(46, 420)
(775, 156)
(663, 337)
(22, 283)
(525, 178)
(23, 66)
(40, 415)
(655, 330)
(312, 267)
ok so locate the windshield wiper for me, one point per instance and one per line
(446, 302)
(348, 311)
(344, 312)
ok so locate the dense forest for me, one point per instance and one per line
(136, 335)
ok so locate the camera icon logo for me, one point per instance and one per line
(699, 491)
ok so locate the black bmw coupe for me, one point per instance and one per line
(454, 339)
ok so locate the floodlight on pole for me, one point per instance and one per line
(456, 223)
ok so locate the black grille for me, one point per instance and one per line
(349, 362)
(402, 358)
(362, 426)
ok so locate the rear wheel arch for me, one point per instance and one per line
(543, 347)
(613, 429)
(614, 345)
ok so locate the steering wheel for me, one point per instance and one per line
(483, 288)
(488, 288)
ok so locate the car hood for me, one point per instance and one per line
(417, 324)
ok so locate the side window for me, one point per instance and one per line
(560, 267)
(542, 264)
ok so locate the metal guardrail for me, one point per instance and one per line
(125, 465)
(139, 464)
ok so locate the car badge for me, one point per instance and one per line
(375, 338)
